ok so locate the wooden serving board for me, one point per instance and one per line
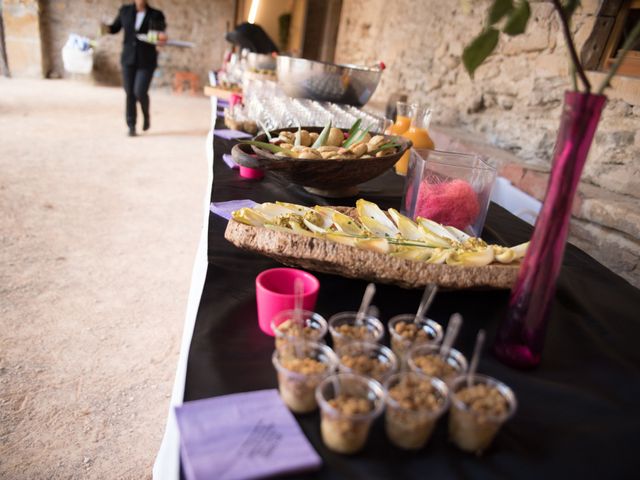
(317, 254)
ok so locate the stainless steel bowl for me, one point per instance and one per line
(327, 82)
(261, 61)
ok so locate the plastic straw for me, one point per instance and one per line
(475, 359)
(369, 292)
(427, 299)
(455, 322)
(298, 296)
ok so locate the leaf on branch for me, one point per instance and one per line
(481, 47)
(518, 18)
(499, 9)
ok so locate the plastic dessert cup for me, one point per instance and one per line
(343, 329)
(415, 402)
(312, 328)
(300, 371)
(348, 405)
(369, 359)
(427, 360)
(428, 331)
(473, 424)
(274, 293)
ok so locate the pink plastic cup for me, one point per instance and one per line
(252, 173)
(274, 293)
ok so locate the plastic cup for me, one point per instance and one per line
(312, 328)
(473, 430)
(343, 432)
(274, 293)
(446, 369)
(409, 426)
(373, 330)
(251, 173)
(401, 344)
(297, 388)
(369, 359)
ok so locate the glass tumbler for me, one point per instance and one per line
(450, 188)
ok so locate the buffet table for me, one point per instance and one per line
(578, 412)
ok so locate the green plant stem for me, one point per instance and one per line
(625, 48)
(571, 46)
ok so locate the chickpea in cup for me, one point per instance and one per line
(311, 326)
(369, 359)
(344, 329)
(300, 369)
(427, 360)
(415, 402)
(406, 333)
(478, 409)
(349, 404)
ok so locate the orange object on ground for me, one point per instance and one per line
(190, 78)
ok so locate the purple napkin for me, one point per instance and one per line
(230, 134)
(224, 209)
(242, 436)
(228, 159)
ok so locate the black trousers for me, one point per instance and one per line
(136, 82)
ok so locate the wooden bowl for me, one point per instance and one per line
(328, 178)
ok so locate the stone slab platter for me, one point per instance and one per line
(317, 254)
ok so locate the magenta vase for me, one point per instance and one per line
(520, 337)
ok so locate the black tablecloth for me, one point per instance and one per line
(579, 411)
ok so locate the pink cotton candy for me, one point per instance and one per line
(452, 203)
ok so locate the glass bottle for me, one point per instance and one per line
(418, 134)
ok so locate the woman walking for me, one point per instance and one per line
(139, 59)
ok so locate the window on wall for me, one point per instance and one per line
(615, 21)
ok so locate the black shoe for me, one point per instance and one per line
(132, 132)
(146, 124)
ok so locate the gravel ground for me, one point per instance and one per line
(98, 233)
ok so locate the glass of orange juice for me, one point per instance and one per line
(404, 112)
(418, 134)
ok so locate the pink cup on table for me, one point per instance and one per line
(274, 293)
(252, 173)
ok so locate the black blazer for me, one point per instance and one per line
(134, 51)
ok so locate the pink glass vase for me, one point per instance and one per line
(520, 338)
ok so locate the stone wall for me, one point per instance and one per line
(201, 21)
(513, 104)
(21, 28)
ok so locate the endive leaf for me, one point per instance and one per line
(417, 254)
(342, 239)
(472, 259)
(299, 209)
(379, 245)
(458, 234)
(439, 256)
(272, 210)
(437, 229)
(249, 217)
(375, 220)
(408, 229)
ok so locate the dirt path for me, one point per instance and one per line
(97, 237)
